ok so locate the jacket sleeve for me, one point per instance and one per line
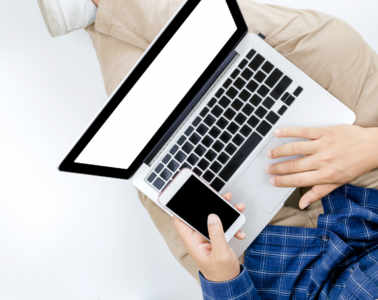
(239, 288)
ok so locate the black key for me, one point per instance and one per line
(267, 67)
(215, 167)
(261, 112)
(260, 76)
(222, 123)
(203, 164)
(243, 63)
(217, 184)
(173, 149)
(263, 90)
(253, 121)
(248, 109)
(240, 119)
(188, 147)
(218, 146)
(281, 87)
(197, 171)
(210, 155)
(244, 95)
(196, 121)
(224, 102)
(247, 74)
(212, 102)
(217, 111)
(251, 53)
(192, 159)
(173, 165)
(231, 92)
(235, 73)
(204, 112)
(215, 132)
(181, 140)
(227, 83)
(210, 120)
(239, 83)
(166, 158)
(264, 128)
(207, 141)
(180, 156)
(230, 149)
(159, 168)
(273, 78)
(158, 183)
(233, 128)
(189, 131)
(289, 100)
(225, 137)
(200, 150)
(285, 96)
(256, 100)
(268, 103)
(166, 174)
(208, 176)
(219, 93)
(250, 144)
(229, 114)
(252, 86)
(237, 104)
(238, 139)
(246, 130)
(151, 178)
(256, 62)
(298, 91)
(195, 138)
(282, 110)
(272, 117)
(202, 129)
(223, 158)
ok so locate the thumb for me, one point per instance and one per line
(316, 193)
(216, 234)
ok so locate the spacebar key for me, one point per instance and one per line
(240, 156)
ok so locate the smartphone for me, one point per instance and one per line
(192, 200)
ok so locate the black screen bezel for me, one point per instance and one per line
(69, 163)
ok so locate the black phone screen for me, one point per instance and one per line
(194, 201)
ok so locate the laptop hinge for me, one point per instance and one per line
(190, 107)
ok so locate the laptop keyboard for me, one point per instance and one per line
(231, 125)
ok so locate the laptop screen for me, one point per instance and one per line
(161, 87)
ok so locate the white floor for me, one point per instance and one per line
(65, 236)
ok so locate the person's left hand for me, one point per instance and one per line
(215, 259)
(330, 157)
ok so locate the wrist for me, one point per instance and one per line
(373, 133)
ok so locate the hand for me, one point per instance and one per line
(216, 260)
(331, 157)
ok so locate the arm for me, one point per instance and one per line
(331, 157)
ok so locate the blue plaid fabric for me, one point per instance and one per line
(336, 260)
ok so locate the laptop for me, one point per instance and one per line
(206, 95)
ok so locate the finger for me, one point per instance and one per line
(300, 132)
(240, 207)
(183, 230)
(216, 234)
(240, 235)
(316, 193)
(227, 196)
(292, 149)
(304, 179)
(293, 166)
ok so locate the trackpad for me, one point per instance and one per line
(254, 182)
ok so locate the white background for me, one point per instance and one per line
(65, 236)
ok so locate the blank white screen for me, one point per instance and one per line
(163, 85)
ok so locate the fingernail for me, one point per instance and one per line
(242, 235)
(272, 180)
(212, 219)
(277, 132)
